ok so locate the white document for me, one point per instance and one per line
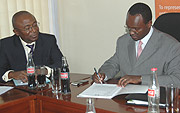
(140, 102)
(4, 89)
(21, 83)
(109, 91)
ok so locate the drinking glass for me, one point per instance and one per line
(41, 76)
(172, 100)
(56, 80)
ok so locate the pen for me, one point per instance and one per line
(98, 75)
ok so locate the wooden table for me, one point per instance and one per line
(51, 103)
(17, 101)
(21, 99)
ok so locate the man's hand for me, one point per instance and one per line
(96, 79)
(18, 75)
(129, 79)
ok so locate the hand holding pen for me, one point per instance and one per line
(99, 77)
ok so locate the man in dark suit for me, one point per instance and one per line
(14, 50)
(141, 49)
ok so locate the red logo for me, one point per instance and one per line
(64, 75)
(30, 70)
(153, 69)
(151, 92)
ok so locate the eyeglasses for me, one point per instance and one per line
(128, 30)
(29, 28)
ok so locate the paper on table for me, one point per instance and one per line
(100, 91)
(134, 89)
(4, 89)
(20, 83)
(140, 102)
(108, 91)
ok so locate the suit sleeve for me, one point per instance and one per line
(56, 54)
(171, 69)
(4, 64)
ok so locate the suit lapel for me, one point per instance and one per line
(132, 52)
(149, 49)
(20, 52)
(38, 51)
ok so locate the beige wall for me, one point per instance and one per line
(89, 30)
(39, 8)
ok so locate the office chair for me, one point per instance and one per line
(169, 23)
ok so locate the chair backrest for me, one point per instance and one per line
(169, 23)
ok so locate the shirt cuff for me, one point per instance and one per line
(106, 78)
(5, 76)
(49, 71)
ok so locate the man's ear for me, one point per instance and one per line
(16, 32)
(150, 23)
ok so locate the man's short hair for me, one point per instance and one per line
(17, 15)
(142, 9)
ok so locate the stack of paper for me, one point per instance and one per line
(109, 91)
(141, 102)
(21, 83)
(4, 89)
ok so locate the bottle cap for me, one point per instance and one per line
(153, 69)
(90, 101)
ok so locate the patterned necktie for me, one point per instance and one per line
(139, 49)
(31, 47)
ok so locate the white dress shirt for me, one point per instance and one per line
(144, 40)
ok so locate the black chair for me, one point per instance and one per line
(169, 23)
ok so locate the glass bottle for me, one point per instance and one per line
(153, 93)
(31, 72)
(90, 106)
(65, 77)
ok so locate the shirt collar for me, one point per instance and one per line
(147, 37)
(24, 43)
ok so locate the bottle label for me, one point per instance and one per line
(30, 70)
(153, 69)
(64, 75)
(151, 92)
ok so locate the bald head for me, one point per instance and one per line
(25, 26)
(19, 15)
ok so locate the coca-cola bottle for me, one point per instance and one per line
(31, 72)
(65, 77)
(153, 93)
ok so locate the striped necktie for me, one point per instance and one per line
(139, 49)
(31, 47)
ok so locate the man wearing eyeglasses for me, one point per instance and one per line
(141, 49)
(27, 38)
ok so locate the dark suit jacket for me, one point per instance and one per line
(12, 54)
